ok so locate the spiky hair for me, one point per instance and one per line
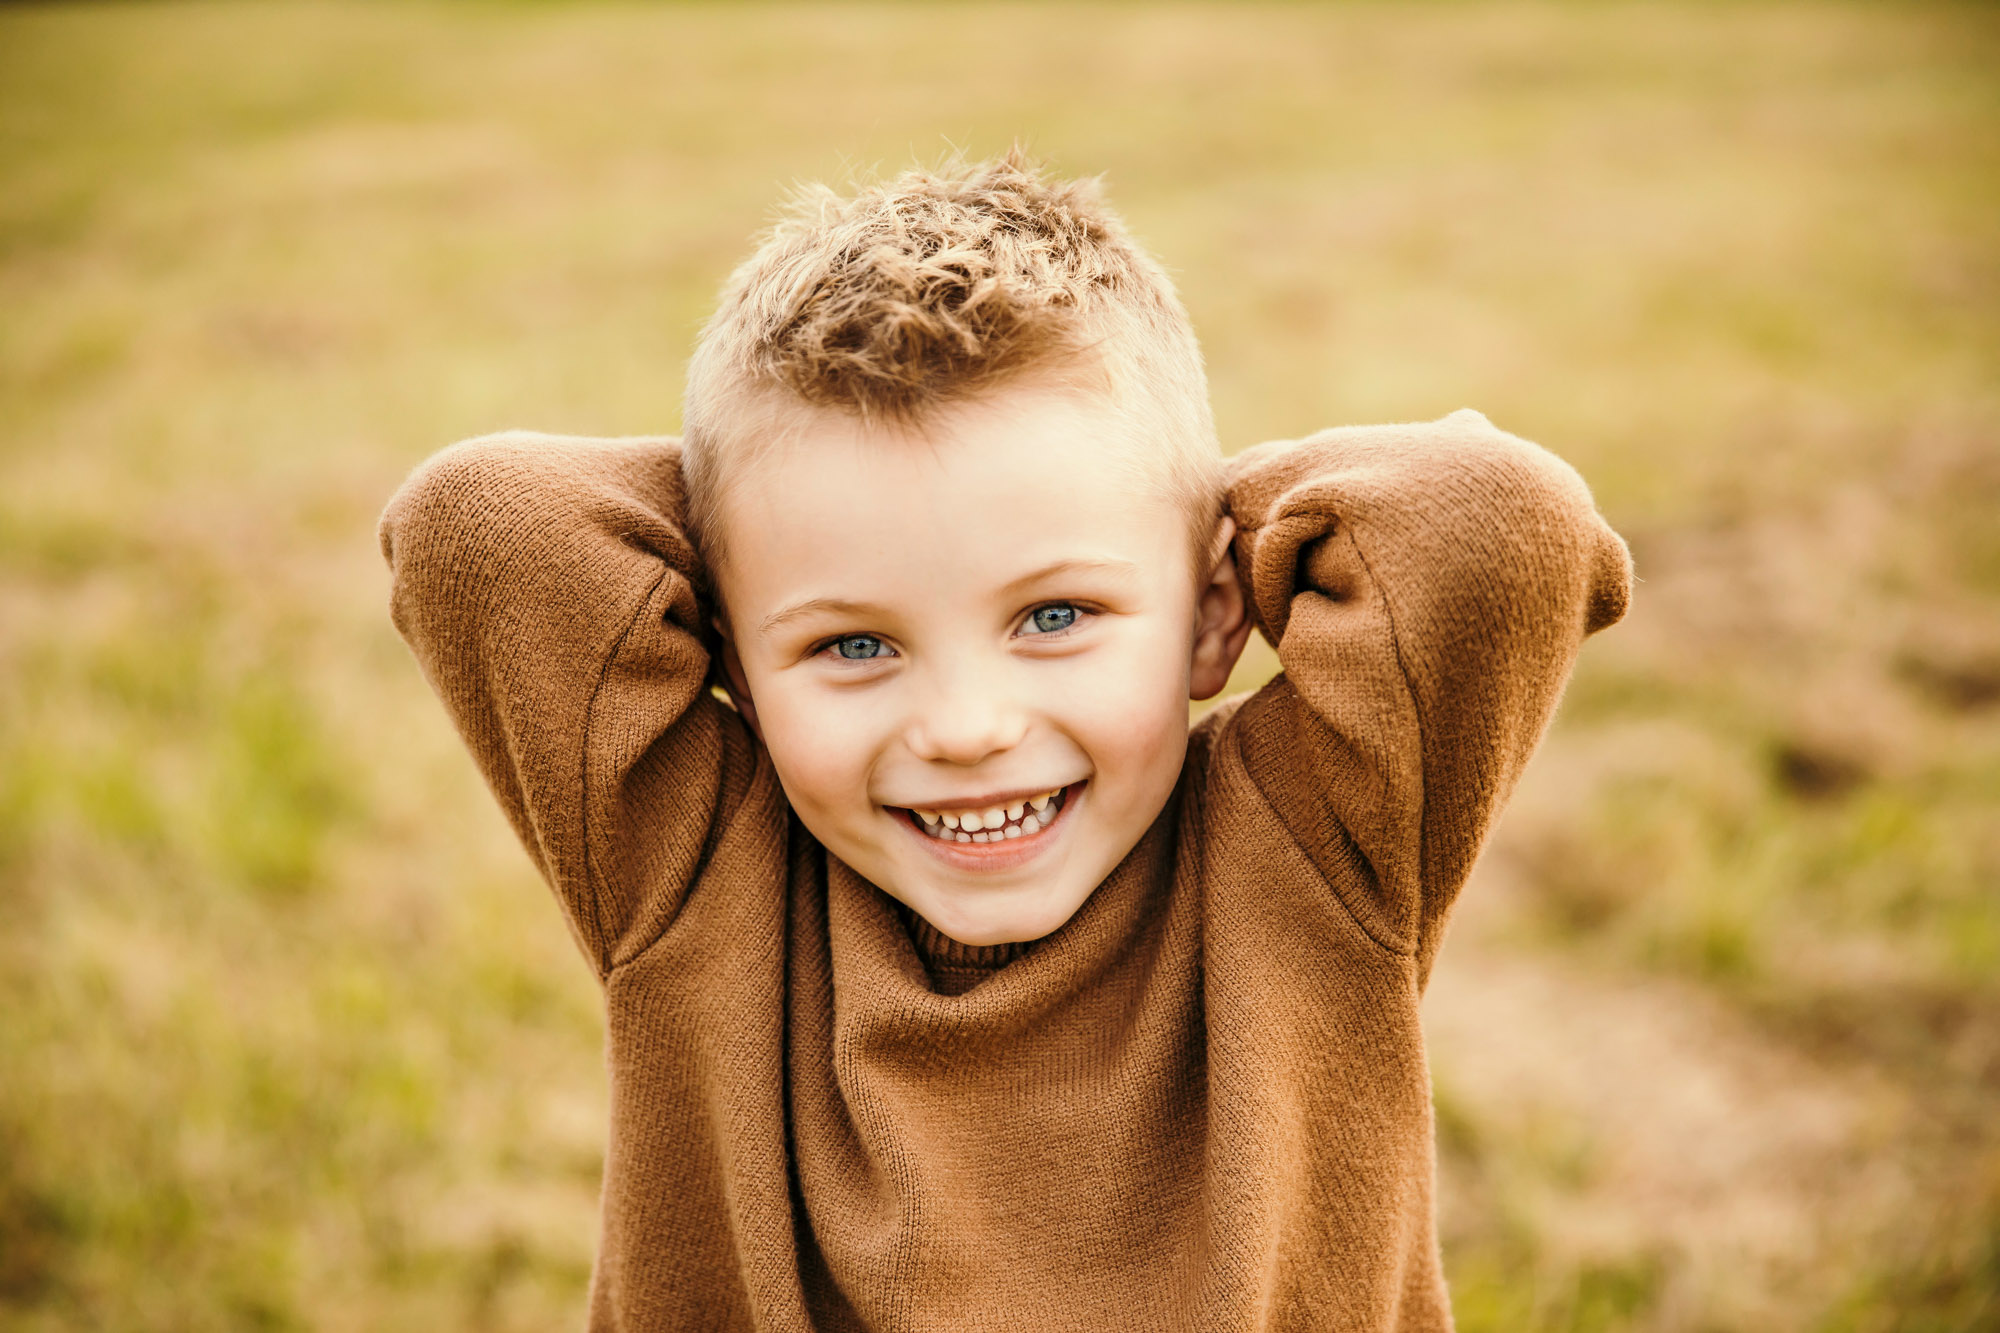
(932, 289)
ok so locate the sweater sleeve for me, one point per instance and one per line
(549, 594)
(1427, 588)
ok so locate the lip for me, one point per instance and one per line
(991, 856)
(985, 801)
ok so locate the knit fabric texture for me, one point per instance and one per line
(1200, 1104)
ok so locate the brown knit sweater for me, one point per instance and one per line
(1202, 1103)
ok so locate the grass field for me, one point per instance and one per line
(290, 1036)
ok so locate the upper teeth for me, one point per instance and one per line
(992, 817)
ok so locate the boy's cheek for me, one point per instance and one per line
(1146, 693)
(817, 751)
(1137, 740)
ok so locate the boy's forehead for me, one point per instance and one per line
(1010, 481)
(1069, 447)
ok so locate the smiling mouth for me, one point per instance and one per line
(1001, 823)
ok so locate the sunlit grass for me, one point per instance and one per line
(291, 1037)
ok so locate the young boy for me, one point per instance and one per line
(951, 982)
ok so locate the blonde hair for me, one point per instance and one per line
(934, 289)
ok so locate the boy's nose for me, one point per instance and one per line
(967, 723)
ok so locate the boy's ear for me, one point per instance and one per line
(1222, 618)
(734, 683)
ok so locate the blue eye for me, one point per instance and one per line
(1049, 619)
(860, 647)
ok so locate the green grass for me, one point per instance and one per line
(292, 1038)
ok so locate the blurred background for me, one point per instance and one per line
(291, 1037)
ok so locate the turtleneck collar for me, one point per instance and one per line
(956, 968)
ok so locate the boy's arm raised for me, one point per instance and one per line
(1427, 587)
(550, 595)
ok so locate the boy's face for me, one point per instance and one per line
(969, 651)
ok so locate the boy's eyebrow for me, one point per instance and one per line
(814, 605)
(1097, 565)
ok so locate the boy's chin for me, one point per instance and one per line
(979, 925)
